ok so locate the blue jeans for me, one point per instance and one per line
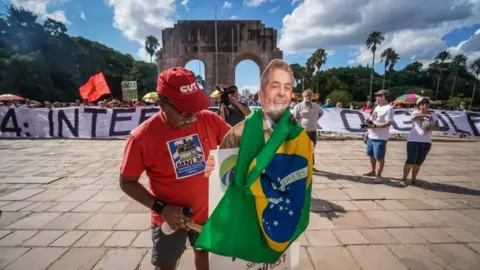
(417, 152)
(376, 148)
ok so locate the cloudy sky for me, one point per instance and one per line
(417, 30)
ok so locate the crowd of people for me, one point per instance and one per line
(419, 139)
(105, 103)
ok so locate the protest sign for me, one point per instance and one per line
(217, 188)
(129, 91)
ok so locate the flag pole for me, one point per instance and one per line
(216, 47)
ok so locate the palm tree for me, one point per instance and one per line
(307, 76)
(476, 70)
(394, 57)
(373, 40)
(298, 72)
(440, 59)
(319, 57)
(385, 56)
(151, 45)
(459, 61)
(200, 80)
(390, 57)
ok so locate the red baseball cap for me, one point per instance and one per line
(181, 88)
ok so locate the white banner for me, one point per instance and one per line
(94, 122)
(216, 189)
(349, 121)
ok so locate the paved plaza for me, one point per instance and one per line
(63, 210)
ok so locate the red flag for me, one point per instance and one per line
(95, 88)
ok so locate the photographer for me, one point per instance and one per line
(232, 110)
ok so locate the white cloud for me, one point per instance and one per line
(411, 27)
(330, 52)
(140, 18)
(40, 7)
(184, 3)
(234, 17)
(58, 15)
(295, 2)
(469, 47)
(274, 9)
(82, 15)
(137, 19)
(227, 4)
(254, 3)
(420, 44)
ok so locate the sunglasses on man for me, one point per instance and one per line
(166, 101)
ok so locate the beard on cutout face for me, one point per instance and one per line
(276, 108)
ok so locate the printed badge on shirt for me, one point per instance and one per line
(187, 156)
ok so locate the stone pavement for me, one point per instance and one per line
(63, 209)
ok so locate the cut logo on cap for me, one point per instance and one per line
(188, 88)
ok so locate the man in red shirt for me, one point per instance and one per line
(172, 147)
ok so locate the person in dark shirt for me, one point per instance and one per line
(236, 111)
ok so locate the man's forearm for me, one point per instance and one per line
(137, 192)
(384, 125)
(246, 111)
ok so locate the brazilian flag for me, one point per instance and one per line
(267, 203)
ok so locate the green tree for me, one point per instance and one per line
(394, 57)
(373, 40)
(475, 66)
(54, 28)
(318, 58)
(390, 57)
(151, 45)
(42, 62)
(439, 64)
(340, 95)
(298, 73)
(307, 76)
(454, 102)
(200, 80)
(334, 83)
(146, 76)
(459, 61)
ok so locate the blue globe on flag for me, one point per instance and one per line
(227, 171)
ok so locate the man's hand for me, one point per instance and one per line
(245, 110)
(172, 214)
(233, 100)
(210, 166)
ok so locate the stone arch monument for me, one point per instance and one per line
(237, 40)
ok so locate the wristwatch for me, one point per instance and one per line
(374, 126)
(158, 206)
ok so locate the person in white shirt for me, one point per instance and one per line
(307, 113)
(419, 140)
(378, 131)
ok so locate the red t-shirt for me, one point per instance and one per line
(174, 160)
